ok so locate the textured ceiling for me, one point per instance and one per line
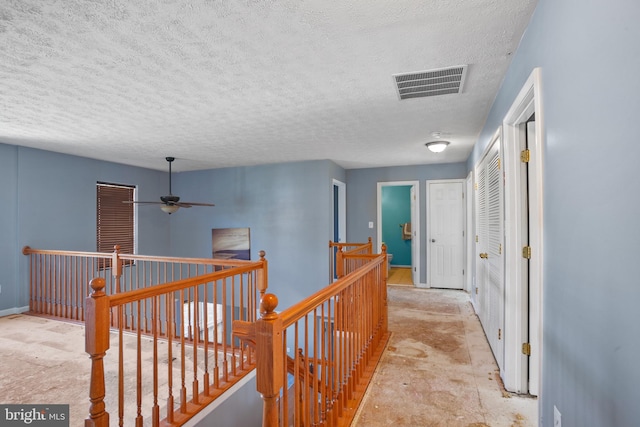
(230, 83)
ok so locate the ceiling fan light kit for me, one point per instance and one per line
(169, 208)
(171, 203)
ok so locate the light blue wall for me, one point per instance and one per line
(396, 210)
(9, 292)
(242, 408)
(52, 199)
(362, 188)
(589, 54)
(288, 208)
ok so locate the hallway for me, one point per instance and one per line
(438, 369)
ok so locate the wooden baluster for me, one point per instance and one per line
(97, 344)
(269, 369)
(183, 387)
(383, 291)
(155, 313)
(216, 365)
(25, 252)
(339, 263)
(205, 317)
(197, 316)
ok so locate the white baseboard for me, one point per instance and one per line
(14, 310)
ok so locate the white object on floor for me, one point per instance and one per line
(188, 316)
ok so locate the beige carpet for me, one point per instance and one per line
(438, 369)
(43, 361)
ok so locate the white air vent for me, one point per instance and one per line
(431, 83)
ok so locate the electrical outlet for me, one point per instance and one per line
(370, 224)
(557, 417)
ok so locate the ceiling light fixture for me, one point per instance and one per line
(437, 146)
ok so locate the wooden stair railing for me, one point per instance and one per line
(59, 280)
(173, 354)
(337, 252)
(339, 333)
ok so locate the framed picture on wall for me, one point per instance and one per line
(231, 243)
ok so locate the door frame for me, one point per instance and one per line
(468, 233)
(524, 315)
(342, 209)
(462, 182)
(415, 226)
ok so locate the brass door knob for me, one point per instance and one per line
(484, 255)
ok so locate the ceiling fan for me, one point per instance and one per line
(171, 203)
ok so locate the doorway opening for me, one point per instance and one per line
(523, 133)
(339, 215)
(398, 222)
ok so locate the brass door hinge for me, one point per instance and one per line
(475, 185)
(526, 349)
(526, 252)
(476, 291)
(500, 248)
(476, 238)
(499, 163)
(499, 334)
(525, 156)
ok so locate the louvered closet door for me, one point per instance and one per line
(481, 243)
(490, 271)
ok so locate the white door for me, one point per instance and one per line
(469, 236)
(481, 296)
(445, 234)
(490, 261)
(534, 302)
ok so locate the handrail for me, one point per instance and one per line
(59, 279)
(140, 294)
(27, 250)
(337, 336)
(298, 310)
(339, 252)
(187, 329)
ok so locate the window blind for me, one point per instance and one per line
(115, 220)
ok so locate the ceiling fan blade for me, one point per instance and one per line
(195, 204)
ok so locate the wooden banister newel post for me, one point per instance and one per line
(269, 359)
(385, 267)
(339, 263)
(385, 275)
(263, 274)
(97, 344)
